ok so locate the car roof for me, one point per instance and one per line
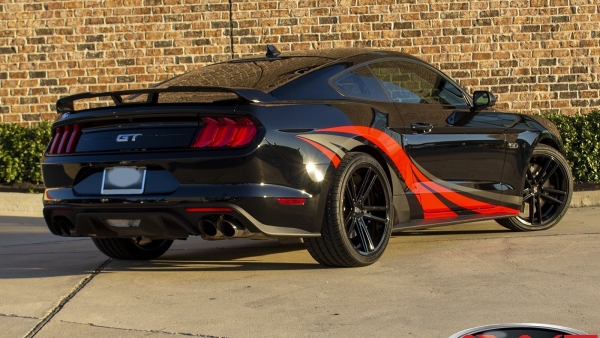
(267, 73)
(335, 54)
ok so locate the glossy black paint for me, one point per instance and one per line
(466, 148)
(469, 154)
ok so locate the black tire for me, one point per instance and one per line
(547, 192)
(358, 220)
(132, 248)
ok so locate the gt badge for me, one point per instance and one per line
(127, 137)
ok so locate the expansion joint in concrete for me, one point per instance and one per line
(148, 331)
(66, 299)
(16, 316)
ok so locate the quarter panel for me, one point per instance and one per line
(523, 133)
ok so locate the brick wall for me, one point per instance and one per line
(536, 55)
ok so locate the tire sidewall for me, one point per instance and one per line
(542, 149)
(335, 212)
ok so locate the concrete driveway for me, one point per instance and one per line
(429, 283)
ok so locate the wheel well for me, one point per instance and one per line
(377, 156)
(549, 142)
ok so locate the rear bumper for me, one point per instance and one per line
(254, 206)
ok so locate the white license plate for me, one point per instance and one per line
(123, 181)
(123, 223)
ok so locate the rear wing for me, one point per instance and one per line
(246, 94)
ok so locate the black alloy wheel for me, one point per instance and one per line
(365, 210)
(547, 193)
(359, 217)
(139, 248)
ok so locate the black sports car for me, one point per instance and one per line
(336, 147)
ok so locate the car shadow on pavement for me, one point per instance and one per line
(47, 260)
(261, 258)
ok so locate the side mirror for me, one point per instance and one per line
(483, 99)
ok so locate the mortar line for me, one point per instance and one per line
(231, 26)
(66, 299)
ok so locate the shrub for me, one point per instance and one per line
(20, 151)
(581, 138)
(21, 148)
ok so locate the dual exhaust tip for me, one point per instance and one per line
(222, 229)
(62, 226)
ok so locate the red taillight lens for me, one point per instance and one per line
(208, 209)
(56, 141)
(245, 133)
(291, 201)
(225, 132)
(207, 134)
(62, 146)
(65, 140)
(75, 133)
(61, 211)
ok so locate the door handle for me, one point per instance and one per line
(421, 127)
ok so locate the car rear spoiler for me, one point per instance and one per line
(250, 95)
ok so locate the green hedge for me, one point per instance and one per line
(581, 138)
(20, 152)
(22, 147)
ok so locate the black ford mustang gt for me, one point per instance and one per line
(337, 147)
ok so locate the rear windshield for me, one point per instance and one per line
(262, 74)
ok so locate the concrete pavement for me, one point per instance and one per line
(429, 283)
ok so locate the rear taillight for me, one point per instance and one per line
(225, 132)
(65, 140)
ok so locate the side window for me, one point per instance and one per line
(452, 95)
(409, 82)
(361, 83)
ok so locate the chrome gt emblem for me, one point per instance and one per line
(127, 137)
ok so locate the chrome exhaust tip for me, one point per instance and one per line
(232, 229)
(209, 231)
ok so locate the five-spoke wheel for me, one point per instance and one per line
(359, 217)
(547, 192)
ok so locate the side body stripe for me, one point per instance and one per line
(429, 190)
(335, 159)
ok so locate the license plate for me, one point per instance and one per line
(124, 223)
(123, 181)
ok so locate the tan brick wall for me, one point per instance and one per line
(536, 55)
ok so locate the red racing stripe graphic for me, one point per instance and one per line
(432, 204)
(463, 201)
(460, 200)
(499, 210)
(335, 159)
(418, 182)
(391, 148)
